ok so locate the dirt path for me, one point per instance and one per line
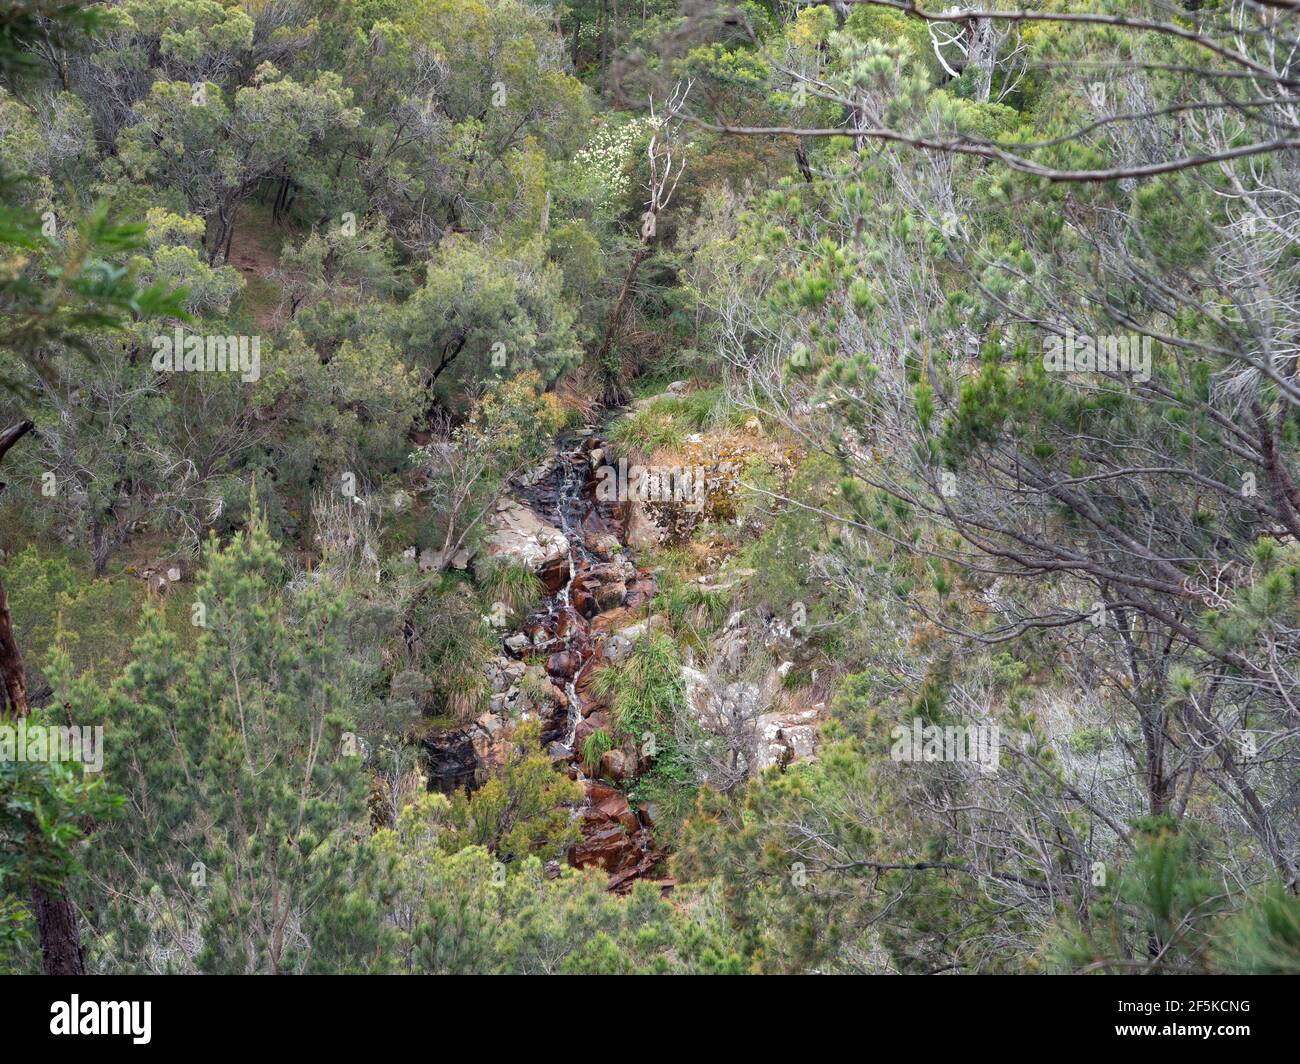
(254, 253)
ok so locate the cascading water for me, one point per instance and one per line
(572, 481)
(594, 579)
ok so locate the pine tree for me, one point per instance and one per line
(244, 777)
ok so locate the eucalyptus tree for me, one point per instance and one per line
(213, 148)
(467, 103)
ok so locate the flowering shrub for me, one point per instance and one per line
(605, 156)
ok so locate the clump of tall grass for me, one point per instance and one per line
(666, 421)
(594, 748)
(693, 612)
(514, 586)
(644, 692)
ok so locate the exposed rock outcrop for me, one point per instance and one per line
(583, 546)
(613, 836)
(556, 525)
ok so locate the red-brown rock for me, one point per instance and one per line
(597, 792)
(640, 591)
(554, 574)
(613, 764)
(605, 844)
(612, 620)
(564, 664)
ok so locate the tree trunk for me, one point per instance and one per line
(100, 548)
(61, 949)
(616, 318)
(61, 952)
(982, 55)
(604, 42)
(801, 157)
(11, 665)
(12, 677)
(230, 235)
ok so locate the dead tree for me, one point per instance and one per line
(666, 158)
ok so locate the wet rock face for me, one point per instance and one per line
(585, 688)
(597, 587)
(553, 573)
(454, 764)
(601, 586)
(593, 721)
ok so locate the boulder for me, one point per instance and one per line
(642, 529)
(653, 623)
(584, 687)
(618, 649)
(641, 590)
(517, 535)
(491, 739)
(605, 844)
(613, 763)
(563, 664)
(612, 834)
(649, 813)
(612, 620)
(603, 545)
(582, 733)
(584, 601)
(536, 476)
(601, 586)
(616, 808)
(433, 560)
(554, 573)
(786, 736)
(698, 688)
(503, 673)
(598, 792)
(610, 596)
(730, 649)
